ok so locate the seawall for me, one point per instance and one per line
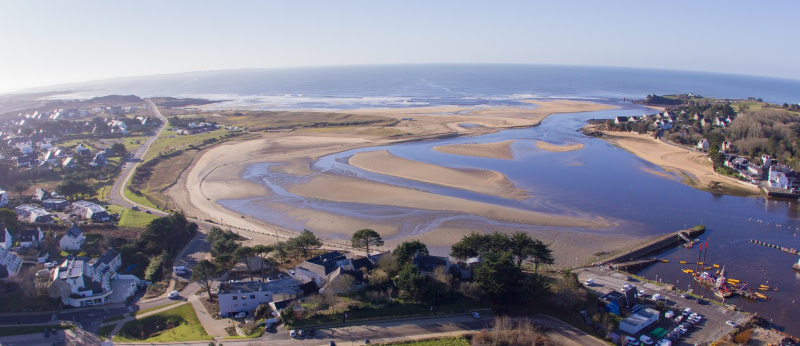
(654, 245)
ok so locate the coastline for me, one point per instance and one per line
(692, 166)
(217, 174)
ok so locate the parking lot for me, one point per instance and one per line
(709, 329)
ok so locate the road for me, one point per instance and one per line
(117, 195)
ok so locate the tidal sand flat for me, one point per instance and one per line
(353, 190)
(496, 150)
(693, 165)
(476, 180)
(558, 148)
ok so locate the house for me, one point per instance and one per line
(777, 179)
(55, 204)
(80, 282)
(10, 264)
(3, 198)
(32, 214)
(620, 120)
(30, 237)
(6, 241)
(638, 321)
(236, 297)
(427, 264)
(68, 163)
(90, 211)
(99, 160)
(319, 267)
(82, 150)
(705, 122)
(40, 194)
(702, 145)
(72, 240)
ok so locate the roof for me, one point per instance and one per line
(362, 262)
(108, 256)
(429, 263)
(323, 264)
(29, 235)
(74, 232)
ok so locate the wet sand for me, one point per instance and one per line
(558, 148)
(496, 150)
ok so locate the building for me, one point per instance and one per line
(3, 198)
(10, 264)
(319, 267)
(6, 241)
(57, 204)
(702, 145)
(778, 179)
(79, 281)
(40, 194)
(237, 297)
(30, 237)
(99, 160)
(90, 211)
(82, 150)
(72, 240)
(32, 214)
(638, 321)
(427, 264)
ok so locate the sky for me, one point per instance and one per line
(46, 42)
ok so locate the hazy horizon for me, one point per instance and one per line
(51, 43)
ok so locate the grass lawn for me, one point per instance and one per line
(132, 218)
(144, 311)
(169, 141)
(448, 341)
(21, 330)
(139, 199)
(104, 331)
(147, 329)
(114, 318)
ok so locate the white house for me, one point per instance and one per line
(6, 241)
(90, 211)
(81, 282)
(30, 237)
(72, 240)
(236, 297)
(319, 267)
(10, 264)
(3, 198)
(777, 179)
(702, 145)
(31, 213)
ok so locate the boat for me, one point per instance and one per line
(719, 285)
(796, 266)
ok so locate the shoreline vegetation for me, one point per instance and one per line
(217, 175)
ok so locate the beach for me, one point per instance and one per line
(218, 174)
(692, 166)
(558, 148)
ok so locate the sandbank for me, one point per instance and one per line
(476, 180)
(496, 150)
(218, 174)
(558, 148)
(694, 166)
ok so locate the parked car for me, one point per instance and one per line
(731, 323)
(629, 340)
(687, 311)
(241, 314)
(589, 282)
(701, 302)
(646, 340)
(293, 333)
(669, 314)
(174, 294)
(685, 296)
(476, 315)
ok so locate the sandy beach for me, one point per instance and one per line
(497, 150)
(693, 166)
(476, 180)
(218, 174)
(558, 148)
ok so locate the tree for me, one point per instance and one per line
(411, 282)
(118, 149)
(541, 254)
(8, 219)
(307, 240)
(244, 253)
(262, 251)
(468, 247)
(203, 272)
(406, 250)
(521, 246)
(365, 237)
(498, 276)
(19, 188)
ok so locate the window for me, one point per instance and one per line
(244, 297)
(252, 296)
(235, 297)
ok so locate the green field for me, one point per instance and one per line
(132, 218)
(144, 311)
(139, 199)
(189, 328)
(168, 141)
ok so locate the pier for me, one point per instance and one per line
(655, 245)
(782, 248)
